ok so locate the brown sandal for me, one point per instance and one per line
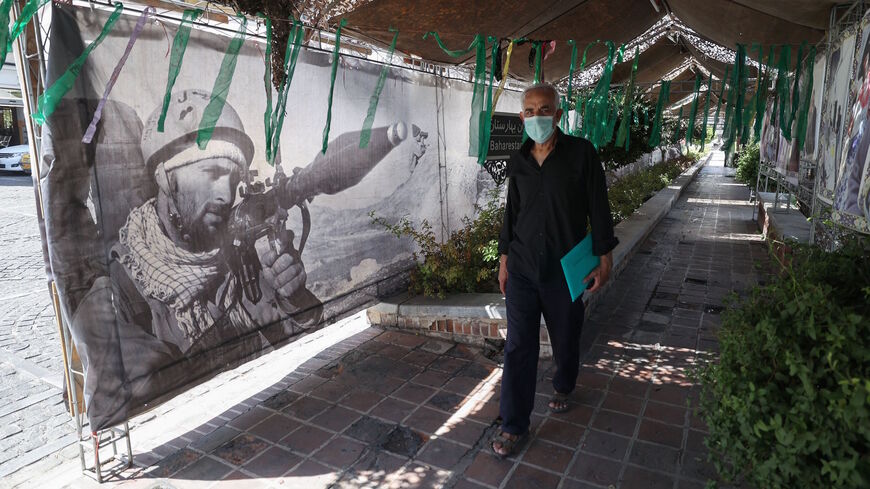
(508, 445)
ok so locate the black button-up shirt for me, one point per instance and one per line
(548, 206)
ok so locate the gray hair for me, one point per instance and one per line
(542, 86)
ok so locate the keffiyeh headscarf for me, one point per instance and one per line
(167, 273)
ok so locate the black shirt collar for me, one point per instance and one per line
(526, 148)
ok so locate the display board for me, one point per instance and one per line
(175, 262)
(833, 115)
(852, 193)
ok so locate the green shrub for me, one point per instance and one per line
(466, 262)
(630, 192)
(787, 402)
(747, 165)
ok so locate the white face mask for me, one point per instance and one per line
(539, 127)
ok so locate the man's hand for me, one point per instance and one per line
(601, 273)
(284, 274)
(502, 273)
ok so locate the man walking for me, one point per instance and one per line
(556, 186)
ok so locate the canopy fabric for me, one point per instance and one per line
(728, 22)
(658, 60)
(725, 22)
(458, 21)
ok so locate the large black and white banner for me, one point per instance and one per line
(174, 262)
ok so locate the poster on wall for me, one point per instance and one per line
(176, 260)
(810, 151)
(770, 134)
(832, 122)
(851, 205)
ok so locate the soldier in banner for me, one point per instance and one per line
(200, 277)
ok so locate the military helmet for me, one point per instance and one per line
(181, 127)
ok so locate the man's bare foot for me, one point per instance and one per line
(559, 403)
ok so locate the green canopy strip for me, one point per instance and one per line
(52, 95)
(693, 112)
(719, 101)
(5, 38)
(805, 102)
(664, 96)
(366, 132)
(179, 45)
(761, 93)
(479, 45)
(782, 94)
(679, 128)
(706, 112)
(291, 53)
(734, 116)
(484, 118)
(597, 112)
(622, 136)
(333, 72)
(218, 99)
(267, 82)
(450, 52)
(538, 60)
(24, 17)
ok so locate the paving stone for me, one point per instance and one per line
(593, 469)
(362, 399)
(369, 430)
(660, 433)
(306, 439)
(336, 418)
(275, 427)
(654, 456)
(403, 441)
(547, 455)
(341, 452)
(526, 476)
(605, 444)
(240, 449)
(488, 469)
(641, 478)
(436, 346)
(442, 453)
(393, 410)
(205, 468)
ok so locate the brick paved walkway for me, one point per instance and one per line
(388, 409)
(34, 425)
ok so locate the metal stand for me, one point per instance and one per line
(91, 442)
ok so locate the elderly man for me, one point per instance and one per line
(556, 186)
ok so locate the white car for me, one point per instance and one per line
(15, 158)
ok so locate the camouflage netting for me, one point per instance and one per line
(314, 14)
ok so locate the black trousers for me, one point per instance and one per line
(526, 300)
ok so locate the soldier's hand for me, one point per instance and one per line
(284, 274)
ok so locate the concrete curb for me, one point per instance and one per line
(469, 318)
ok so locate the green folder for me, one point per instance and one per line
(577, 264)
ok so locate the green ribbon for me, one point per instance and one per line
(333, 72)
(366, 132)
(276, 120)
(738, 89)
(477, 99)
(538, 61)
(622, 136)
(27, 12)
(52, 96)
(5, 37)
(215, 107)
(664, 96)
(179, 46)
(761, 93)
(690, 131)
(485, 119)
(706, 112)
(795, 97)
(267, 83)
(597, 113)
